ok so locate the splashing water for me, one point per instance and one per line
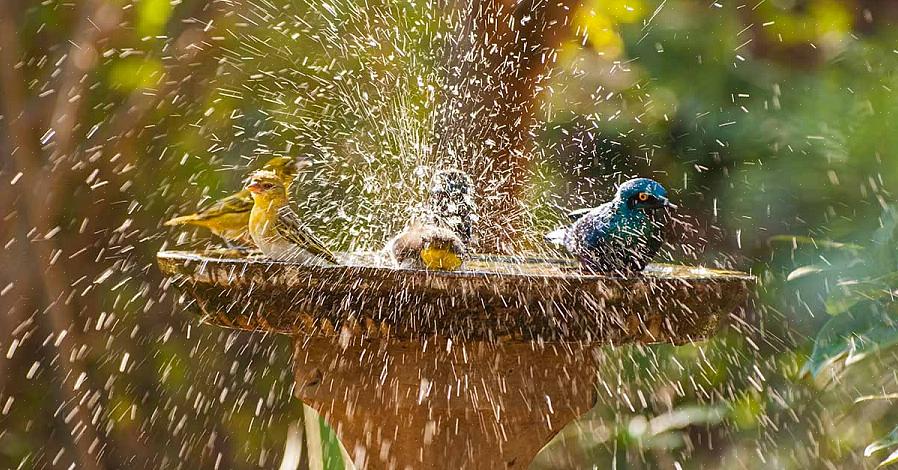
(764, 119)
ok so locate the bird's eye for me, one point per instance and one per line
(643, 197)
(267, 186)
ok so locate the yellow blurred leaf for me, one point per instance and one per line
(152, 16)
(134, 73)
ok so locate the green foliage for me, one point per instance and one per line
(852, 336)
(863, 305)
(889, 440)
(771, 117)
(152, 16)
(134, 73)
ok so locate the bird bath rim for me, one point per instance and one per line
(517, 300)
(476, 266)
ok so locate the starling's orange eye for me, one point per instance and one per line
(643, 197)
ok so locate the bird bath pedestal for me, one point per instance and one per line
(470, 369)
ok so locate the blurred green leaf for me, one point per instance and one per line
(885, 249)
(815, 242)
(686, 416)
(745, 411)
(808, 270)
(888, 396)
(664, 431)
(853, 293)
(852, 335)
(333, 452)
(152, 16)
(890, 460)
(885, 235)
(135, 73)
(889, 440)
(665, 441)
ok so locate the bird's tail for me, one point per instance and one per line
(184, 219)
(556, 237)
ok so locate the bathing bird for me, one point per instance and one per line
(228, 218)
(422, 246)
(621, 235)
(276, 229)
(437, 239)
(451, 203)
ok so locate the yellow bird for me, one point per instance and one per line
(276, 229)
(228, 217)
(427, 247)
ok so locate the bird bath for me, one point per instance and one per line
(470, 369)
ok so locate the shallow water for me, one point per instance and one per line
(529, 265)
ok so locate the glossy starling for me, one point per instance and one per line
(619, 236)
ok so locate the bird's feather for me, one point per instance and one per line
(240, 202)
(573, 216)
(556, 237)
(291, 228)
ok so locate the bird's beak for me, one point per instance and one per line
(665, 202)
(254, 187)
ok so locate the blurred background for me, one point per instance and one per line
(770, 121)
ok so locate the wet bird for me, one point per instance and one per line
(451, 203)
(622, 235)
(228, 218)
(437, 239)
(423, 246)
(276, 229)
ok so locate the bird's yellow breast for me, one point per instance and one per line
(440, 259)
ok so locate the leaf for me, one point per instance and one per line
(335, 456)
(853, 335)
(806, 271)
(889, 440)
(854, 293)
(665, 441)
(685, 416)
(891, 459)
(796, 240)
(863, 398)
(135, 73)
(152, 16)
(885, 235)
(883, 250)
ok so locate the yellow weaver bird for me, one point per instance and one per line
(276, 229)
(229, 217)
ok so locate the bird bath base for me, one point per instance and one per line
(405, 405)
(469, 369)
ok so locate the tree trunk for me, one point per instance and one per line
(498, 63)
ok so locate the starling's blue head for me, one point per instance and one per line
(643, 193)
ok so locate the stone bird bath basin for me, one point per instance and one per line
(471, 369)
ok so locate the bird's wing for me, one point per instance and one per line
(602, 218)
(556, 237)
(573, 216)
(237, 202)
(291, 228)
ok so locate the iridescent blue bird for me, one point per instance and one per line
(621, 235)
